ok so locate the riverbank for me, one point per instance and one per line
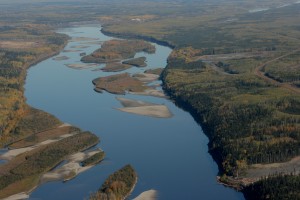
(205, 106)
(34, 163)
(233, 117)
(136, 36)
(36, 133)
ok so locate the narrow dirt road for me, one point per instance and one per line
(258, 72)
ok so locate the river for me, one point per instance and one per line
(169, 155)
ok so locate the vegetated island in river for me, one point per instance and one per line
(115, 67)
(118, 84)
(33, 156)
(122, 83)
(137, 62)
(117, 50)
(118, 185)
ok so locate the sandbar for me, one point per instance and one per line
(71, 169)
(146, 77)
(60, 58)
(81, 66)
(147, 195)
(150, 92)
(19, 196)
(144, 108)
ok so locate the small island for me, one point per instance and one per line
(94, 159)
(156, 71)
(118, 185)
(117, 50)
(137, 62)
(119, 84)
(115, 67)
(61, 58)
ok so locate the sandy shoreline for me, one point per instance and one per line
(81, 66)
(150, 92)
(71, 169)
(146, 77)
(19, 196)
(10, 154)
(147, 195)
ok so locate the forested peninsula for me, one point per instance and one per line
(247, 103)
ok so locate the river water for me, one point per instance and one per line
(169, 155)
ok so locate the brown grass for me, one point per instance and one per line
(26, 184)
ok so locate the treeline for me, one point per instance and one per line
(36, 162)
(247, 120)
(13, 64)
(94, 159)
(278, 187)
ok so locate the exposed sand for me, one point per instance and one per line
(10, 154)
(156, 71)
(72, 167)
(63, 173)
(147, 195)
(60, 58)
(80, 156)
(133, 103)
(150, 92)
(81, 66)
(19, 196)
(64, 125)
(144, 108)
(159, 111)
(259, 170)
(146, 77)
(15, 152)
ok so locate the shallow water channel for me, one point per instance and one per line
(170, 155)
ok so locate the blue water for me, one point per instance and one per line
(169, 155)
